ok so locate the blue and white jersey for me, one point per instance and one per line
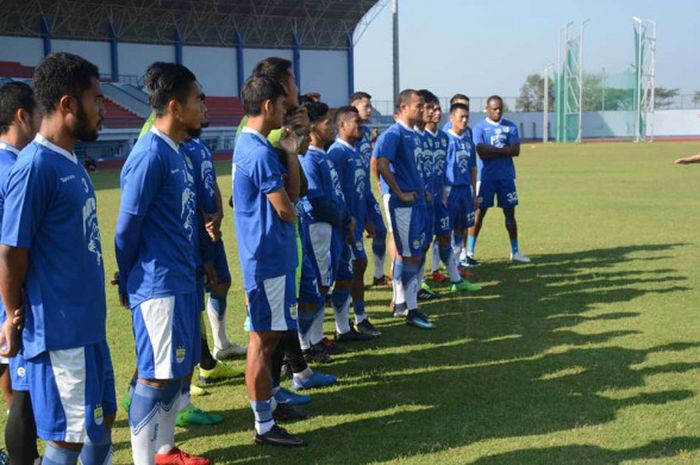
(498, 134)
(266, 244)
(461, 158)
(399, 145)
(50, 208)
(323, 180)
(424, 160)
(364, 147)
(157, 183)
(204, 174)
(8, 157)
(353, 177)
(439, 142)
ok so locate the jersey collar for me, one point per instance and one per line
(39, 139)
(249, 130)
(9, 148)
(405, 126)
(434, 134)
(317, 149)
(492, 122)
(457, 135)
(345, 143)
(167, 139)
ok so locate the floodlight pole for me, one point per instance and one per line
(545, 107)
(395, 22)
(637, 124)
(580, 83)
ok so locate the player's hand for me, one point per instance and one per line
(373, 135)
(123, 297)
(428, 197)
(407, 197)
(350, 235)
(289, 141)
(18, 318)
(298, 121)
(371, 229)
(10, 338)
(210, 276)
(683, 161)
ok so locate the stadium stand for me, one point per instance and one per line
(224, 111)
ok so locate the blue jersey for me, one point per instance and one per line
(439, 143)
(353, 178)
(266, 244)
(424, 160)
(400, 145)
(364, 148)
(323, 180)
(498, 134)
(50, 208)
(461, 158)
(157, 183)
(8, 157)
(204, 174)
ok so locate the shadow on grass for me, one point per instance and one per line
(505, 367)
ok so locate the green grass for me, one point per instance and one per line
(589, 355)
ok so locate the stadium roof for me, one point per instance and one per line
(261, 23)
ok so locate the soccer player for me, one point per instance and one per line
(50, 215)
(331, 226)
(264, 192)
(497, 143)
(353, 181)
(155, 243)
(20, 117)
(396, 163)
(438, 142)
(456, 98)
(374, 222)
(688, 160)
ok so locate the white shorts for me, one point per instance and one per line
(320, 235)
(387, 216)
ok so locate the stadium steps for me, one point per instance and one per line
(127, 97)
(118, 117)
(224, 111)
(14, 69)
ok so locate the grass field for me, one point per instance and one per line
(589, 355)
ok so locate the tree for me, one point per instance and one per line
(663, 97)
(531, 96)
(696, 97)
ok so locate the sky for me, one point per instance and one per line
(481, 47)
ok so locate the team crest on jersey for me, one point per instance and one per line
(21, 372)
(293, 312)
(359, 245)
(91, 231)
(180, 354)
(444, 141)
(98, 415)
(506, 129)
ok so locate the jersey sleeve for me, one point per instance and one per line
(388, 147)
(27, 196)
(313, 177)
(267, 171)
(208, 182)
(514, 136)
(141, 180)
(478, 136)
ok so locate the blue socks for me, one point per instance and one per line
(144, 405)
(399, 291)
(379, 246)
(262, 410)
(97, 453)
(57, 456)
(409, 278)
(471, 245)
(218, 304)
(514, 246)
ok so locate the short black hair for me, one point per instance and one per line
(14, 96)
(256, 90)
(276, 68)
(61, 74)
(458, 106)
(359, 96)
(456, 97)
(315, 110)
(428, 97)
(343, 111)
(404, 98)
(167, 81)
(494, 97)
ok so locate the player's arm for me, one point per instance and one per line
(489, 152)
(283, 205)
(688, 160)
(386, 174)
(474, 175)
(14, 262)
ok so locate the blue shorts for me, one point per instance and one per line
(429, 222)
(272, 304)
(308, 282)
(167, 331)
(442, 224)
(72, 392)
(18, 373)
(460, 204)
(223, 274)
(357, 248)
(408, 224)
(504, 189)
(374, 215)
(341, 258)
